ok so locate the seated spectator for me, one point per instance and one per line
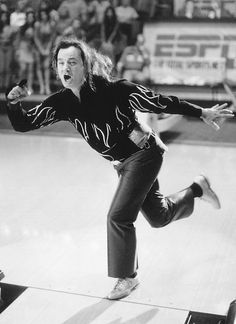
(55, 3)
(64, 21)
(3, 6)
(26, 49)
(103, 5)
(7, 37)
(215, 11)
(75, 30)
(75, 7)
(46, 5)
(135, 62)
(92, 11)
(44, 37)
(112, 41)
(146, 9)
(92, 25)
(39, 4)
(18, 16)
(126, 15)
(114, 3)
(189, 9)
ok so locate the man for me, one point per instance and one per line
(103, 111)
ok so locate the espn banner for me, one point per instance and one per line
(191, 53)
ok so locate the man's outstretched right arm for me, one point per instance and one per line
(22, 121)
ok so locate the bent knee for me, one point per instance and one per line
(158, 220)
(159, 224)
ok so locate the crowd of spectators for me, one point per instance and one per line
(30, 28)
(210, 9)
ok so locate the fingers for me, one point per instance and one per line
(215, 125)
(211, 123)
(215, 107)
(216, 115)
(226, 115)
(227, 111)
(17, 93)
(222, 112)
(220, 107)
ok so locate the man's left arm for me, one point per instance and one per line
(146, 100)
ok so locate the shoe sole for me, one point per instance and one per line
(128, 292)
(212, 192)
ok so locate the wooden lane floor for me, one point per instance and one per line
(49, 307)
(55, 193)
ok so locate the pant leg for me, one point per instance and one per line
(160, 211)
(137, 175)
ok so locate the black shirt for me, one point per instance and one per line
(104, 116)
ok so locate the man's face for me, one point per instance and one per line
(70, 68)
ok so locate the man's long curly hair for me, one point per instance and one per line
(94, 62)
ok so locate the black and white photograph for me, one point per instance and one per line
(117, 161)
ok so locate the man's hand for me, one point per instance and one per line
(216, 115)
(18, 92)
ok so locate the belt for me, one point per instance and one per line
(140, 134)
(153, 139)
(149, 142)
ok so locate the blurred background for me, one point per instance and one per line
(185, 48)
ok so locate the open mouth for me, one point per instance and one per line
(67, 77)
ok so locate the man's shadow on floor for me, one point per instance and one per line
(89, 314)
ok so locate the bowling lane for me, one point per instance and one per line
(56, 193)
(50, 307)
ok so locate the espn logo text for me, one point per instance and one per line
(192, 45)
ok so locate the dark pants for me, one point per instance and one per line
(138, 190)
